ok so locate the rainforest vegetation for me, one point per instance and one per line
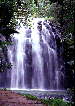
(57, 11)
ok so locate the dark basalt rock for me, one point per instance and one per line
(28, 33)
(39, 25)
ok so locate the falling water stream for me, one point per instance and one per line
(17, 52)
(34, 59)
(38, 77)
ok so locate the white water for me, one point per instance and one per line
(17, 72)
(38, 80)
(43, 71)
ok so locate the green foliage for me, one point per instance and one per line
(49, 102)
(28, 96)
(5, 43)
(55, 102)
(24, 9)
(69, 50)
(6, 12)
(4, 65)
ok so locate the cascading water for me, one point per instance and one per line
(16, 57)
(38, 78)
(34, 57)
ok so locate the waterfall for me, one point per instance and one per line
(16, 56)
(34, 57)
(38, 80)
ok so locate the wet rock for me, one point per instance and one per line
(39, 25)
(28, 33)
